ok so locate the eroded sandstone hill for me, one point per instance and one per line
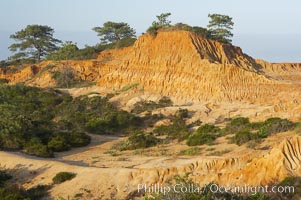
(189, 67)
(182, 65)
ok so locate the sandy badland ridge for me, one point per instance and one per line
(188, 69)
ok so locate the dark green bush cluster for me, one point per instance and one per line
(138, 140)
(150, 119)
(13, 192)
(246, 131)
(203, 32)
(43, 121)
(143, 106)
(62, 177)
(4, 176)
(205, 134)
(237, 124)
(244, 136)
(178, 129)
(95, 115)
(64, 141)
(38, 192)
(275, 125)
(70, 51)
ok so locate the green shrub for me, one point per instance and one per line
(58, 143)
(177, 130)
(191, 151)
(243, 136)
(12, 193)
(143, 106)
(149, 120)
(43, 121)
(4, 176)
(62, 177)
(237, 124)
(78, 139)
(139, 140)
(38, 192)
(205, 134)
(165, 102)
(245, 131)
(63, 141)
(35, 147)
(275, 125)
(153, 30)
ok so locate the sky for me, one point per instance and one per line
(265, 29)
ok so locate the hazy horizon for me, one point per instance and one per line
(265, 30)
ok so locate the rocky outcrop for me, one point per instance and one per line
(186, 66)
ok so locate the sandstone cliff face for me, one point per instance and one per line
(188, 67)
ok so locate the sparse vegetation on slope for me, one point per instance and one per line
(143, 106)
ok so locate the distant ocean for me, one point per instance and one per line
(272, 48)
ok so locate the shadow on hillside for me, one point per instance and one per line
(22, 175)
(95, 141)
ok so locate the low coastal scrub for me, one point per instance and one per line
(191, 151)
(138, 140)
(205, 134)
(43, 121)
(62, 177)
(143, 106)
(177, 129)
(246, 131)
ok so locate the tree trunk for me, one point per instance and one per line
(39, 54)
